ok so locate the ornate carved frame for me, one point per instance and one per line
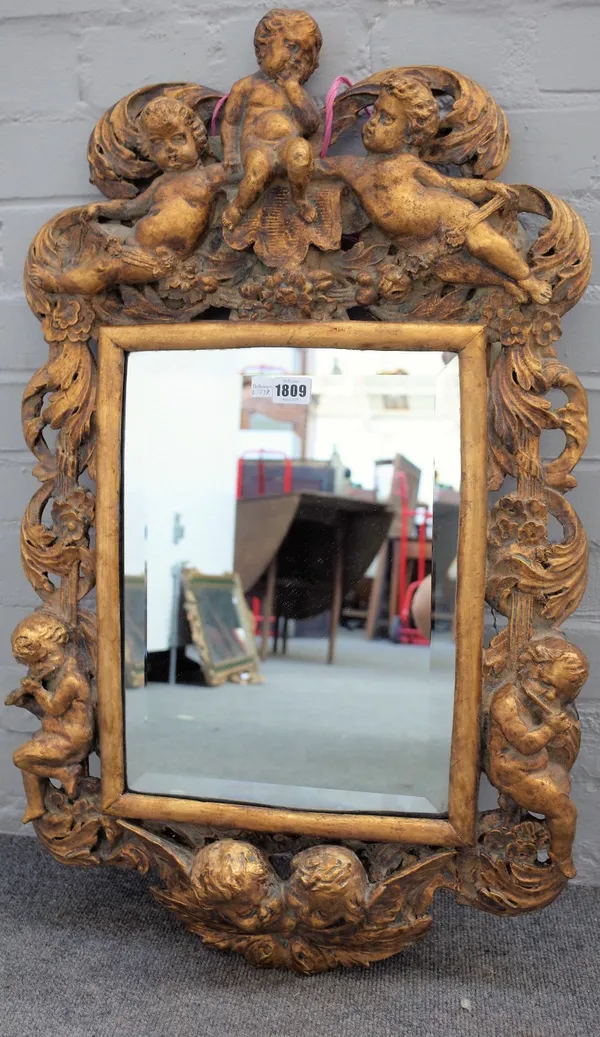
(310, 902)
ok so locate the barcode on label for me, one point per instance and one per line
(293, 389)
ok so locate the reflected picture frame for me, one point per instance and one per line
(134, 630)
(242, 667)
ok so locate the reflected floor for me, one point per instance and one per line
(370, 733)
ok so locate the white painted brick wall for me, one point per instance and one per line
(62, 62)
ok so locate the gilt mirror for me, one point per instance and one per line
(302, 563)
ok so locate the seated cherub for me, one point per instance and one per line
(407, 198)
(268, 115)
(67, 734)
(534, 738)
(174, 210)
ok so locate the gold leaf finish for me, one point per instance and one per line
(257, 226)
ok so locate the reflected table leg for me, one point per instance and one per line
(336, 597)
(268, 602)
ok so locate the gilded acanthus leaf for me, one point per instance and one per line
(503, 875)
(561, 253)
(523, 560)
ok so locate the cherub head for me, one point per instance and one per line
(235, 880)
(38, 642)
(327, 886)
(171, 134)
(287, 44)
(405, 115)
(557, 664)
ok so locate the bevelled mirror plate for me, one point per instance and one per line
(331, 500)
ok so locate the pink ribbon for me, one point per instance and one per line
(331, 95)
(216, 110)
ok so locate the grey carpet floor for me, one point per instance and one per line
(88, 953)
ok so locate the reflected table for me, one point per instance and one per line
(303, 552)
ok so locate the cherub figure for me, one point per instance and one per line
(534, 738)
(236, 881)
(67, 734)
(407, 198)
(268, 115)
(174, 210)
(327, 887)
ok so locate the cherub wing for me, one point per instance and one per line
(116, 166)
(173, 862)
(473, 133)
(409, 892)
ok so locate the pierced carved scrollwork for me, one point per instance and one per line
(257, 225)
(509, 871)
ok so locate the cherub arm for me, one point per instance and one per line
(305, 110)
(54, 704)
(232, 122)
(216, 175)
(336, 165)
(474, 190)
(506, 714)
(122, 208)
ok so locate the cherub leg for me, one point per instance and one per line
(298, 162)
(134, 266)
(46, 761)
(466, 270)
(40, 749)
(46, 756)
(258, 170)
(545, 796)
(68, 775)
(562, 824)
(34, 791)
(86, 279)
(488, 244)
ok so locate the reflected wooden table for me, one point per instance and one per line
(302, 552)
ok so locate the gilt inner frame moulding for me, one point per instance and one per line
(469, 341)
(229, 221)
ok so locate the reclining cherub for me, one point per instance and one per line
(407, 198)
(174, 210)
(268, 115)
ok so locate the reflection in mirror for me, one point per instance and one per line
(290, 528)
